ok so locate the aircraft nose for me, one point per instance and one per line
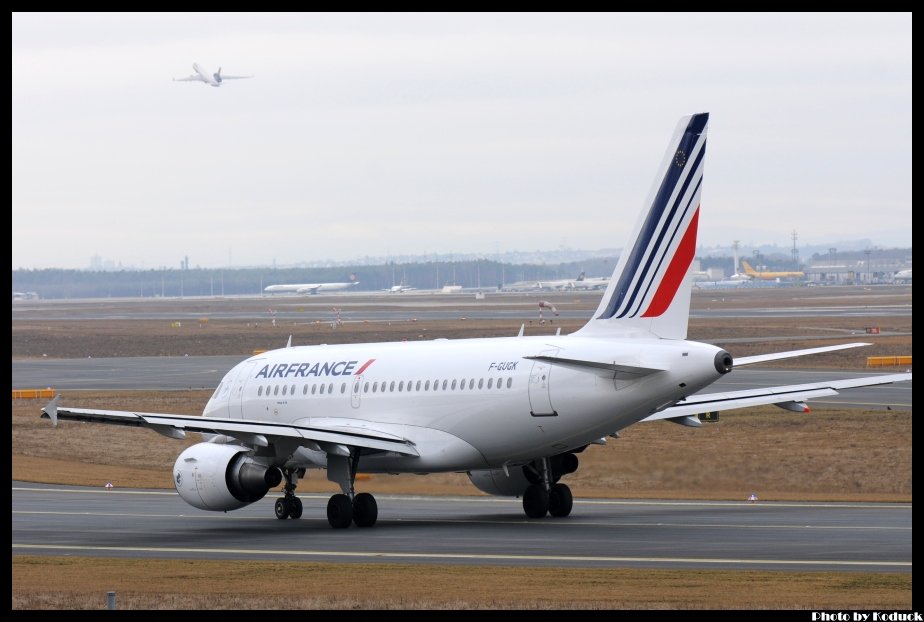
(723, 362)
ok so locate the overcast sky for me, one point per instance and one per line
(374, 135)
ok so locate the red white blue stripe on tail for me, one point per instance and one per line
(651, 279)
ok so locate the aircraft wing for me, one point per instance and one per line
(192, 78)
(249, 432)
(224, 77)
(790, 397)
(308, 289)
(776, 356)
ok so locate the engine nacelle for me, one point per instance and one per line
(212, 476)
(495, 482)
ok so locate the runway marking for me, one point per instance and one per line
(461, 556)
(469, 500)
(477, 521)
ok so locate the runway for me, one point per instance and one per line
(54, 520)
(205, 372)
(430, 305)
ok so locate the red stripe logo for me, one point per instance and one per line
(363, 368)
(676, 271)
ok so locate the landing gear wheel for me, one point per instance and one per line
(339, 511)
(281, 508)
(535, 501)
(295, 507)
(560, 500)
(365, 510)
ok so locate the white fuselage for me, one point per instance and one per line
(206, 76)
(466, 404)
(308, 288)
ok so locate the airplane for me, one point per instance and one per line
(594, 282)
(581, 282)
(751, 272)
(903, 275)
(308, 288)
(212, 79)
(514, 413)
(397, 289)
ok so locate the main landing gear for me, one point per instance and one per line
(342, 509)
(349, 507)
(545, 495)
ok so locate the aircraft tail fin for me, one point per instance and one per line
(649, 292)
(748, 268)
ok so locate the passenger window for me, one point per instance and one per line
(366, 388)
(391, 387)
(444, 385)
(417, 387)
(480, 382)
(292, 390)
(400, 386)
(322, 389)
(276, 390)
(343, 388)
(314, 389)
(259, 390)
(490, 383)
(375, 387)
(330, 387)
(284, 387)
(509, 382)
(462, 385)
(453, 385)
(427, 386)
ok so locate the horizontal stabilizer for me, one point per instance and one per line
(776, 356)
(606, 370)
(787, 397)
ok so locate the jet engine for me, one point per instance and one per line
(217, 477)
(496, 482)
(517, 479)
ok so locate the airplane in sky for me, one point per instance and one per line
(766, 275)
(514, 413)
(212, 79)
(308, 288)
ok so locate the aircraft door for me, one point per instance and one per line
(356, 391)
(236, 395)
(540, 402)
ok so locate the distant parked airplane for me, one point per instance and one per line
(308, 288)
(751, 272)
(581, 282)
(212, 79)
(903, 275)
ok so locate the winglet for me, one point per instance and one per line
(522, 327)
(289, 342)
(51, 410)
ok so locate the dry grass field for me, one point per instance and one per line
(825, 455)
